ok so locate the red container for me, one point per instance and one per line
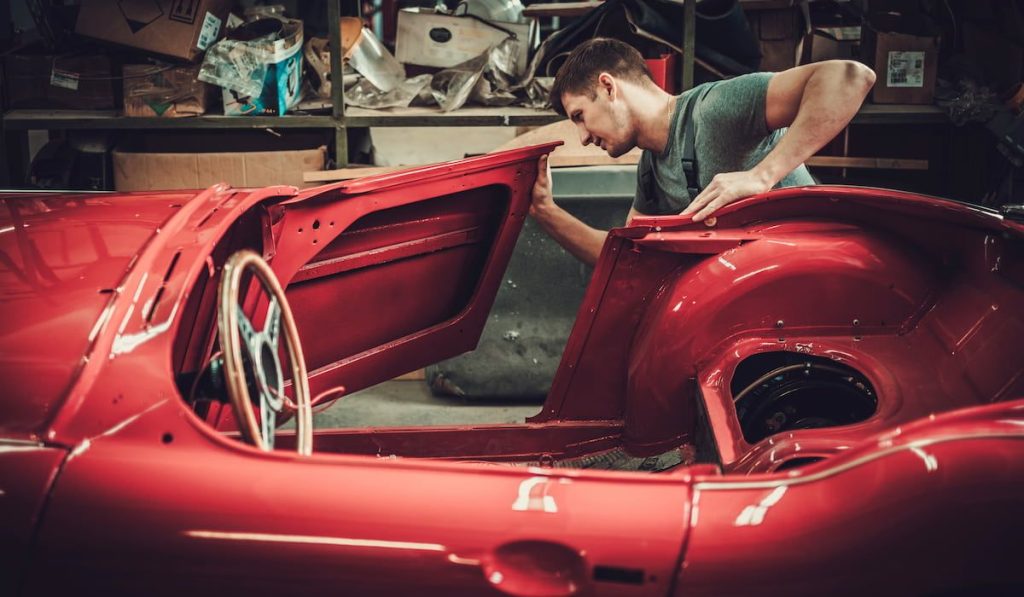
(665, 71)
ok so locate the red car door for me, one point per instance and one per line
(390, 273)
(133, 517)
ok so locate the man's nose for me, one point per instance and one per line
(585, 137)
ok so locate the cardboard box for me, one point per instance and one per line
(163, 90)
(177, 28)
(282, 85)
(904, 52)
(166, 171)
(41, 81)
(778, 32)
(408, 146)
(426, 38)
(831, 43)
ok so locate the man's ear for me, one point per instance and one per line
(607, 85)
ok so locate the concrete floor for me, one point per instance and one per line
(410, 403)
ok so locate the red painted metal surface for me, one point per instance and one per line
(144, 496)
(27, 472)
(929, 508)
(62, 258)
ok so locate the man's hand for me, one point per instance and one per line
(724, 189)
(540, 197)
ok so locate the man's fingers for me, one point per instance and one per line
(703, 199)
(544, 171)
(696, 202)
(694, 205)
(708, 210)
(543, 180)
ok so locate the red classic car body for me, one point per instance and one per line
(837, 371)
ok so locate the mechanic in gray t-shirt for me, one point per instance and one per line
(730, 135)
(750, 134)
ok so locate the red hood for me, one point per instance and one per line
(61, 256)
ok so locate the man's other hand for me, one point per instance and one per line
(723, 190)
(540, 197)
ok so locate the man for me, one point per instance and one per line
(741, 145)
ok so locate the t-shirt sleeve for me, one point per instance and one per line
(736, 107)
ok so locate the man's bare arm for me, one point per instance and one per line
(583, 241)
(816, 101)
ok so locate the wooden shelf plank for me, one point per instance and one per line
(900, 114)
(361, 117)
(467, 116)
(562, 9)
(109, 119)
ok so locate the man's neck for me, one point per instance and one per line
(654, 108)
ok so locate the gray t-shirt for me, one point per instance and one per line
(731, 136)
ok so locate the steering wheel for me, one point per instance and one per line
(261, 351)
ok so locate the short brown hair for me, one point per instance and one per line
(578, 74)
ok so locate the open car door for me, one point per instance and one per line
(389, 273)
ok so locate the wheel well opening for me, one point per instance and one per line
(782, 391)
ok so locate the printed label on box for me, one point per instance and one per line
(906, 69)
(65, 79)
(184, 11)
(209, 32)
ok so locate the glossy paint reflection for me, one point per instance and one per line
(62, 259)
(754, 514)
(312, 540)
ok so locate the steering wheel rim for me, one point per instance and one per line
(236, 332)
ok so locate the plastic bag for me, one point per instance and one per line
(365, 95)
(237, 65)
(487, 79)
(967, 101)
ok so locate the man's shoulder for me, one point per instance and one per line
(750, 84)
(735, 108)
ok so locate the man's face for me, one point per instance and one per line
(603, 120)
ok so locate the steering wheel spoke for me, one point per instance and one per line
(248, 332)
(268, 421)
(272, 325)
